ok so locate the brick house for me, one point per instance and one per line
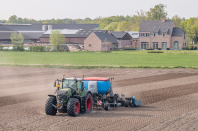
(161, 34)
(99, 41)
(135, 36)
(123, 38)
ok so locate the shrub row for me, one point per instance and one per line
(155, 52)
(31, 48)
(37, 48)
(190, 48)
(158, 49)
(129, 48)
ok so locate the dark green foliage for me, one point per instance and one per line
(159, 48)
(48, 48)
(150, 49)
(167, 48)
(155, 52)
(1, 47)
(18, 48)
(189, 48)
(31, 48)
(38, 48)
(129, 48)
(106, 51)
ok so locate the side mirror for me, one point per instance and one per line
(55, 84)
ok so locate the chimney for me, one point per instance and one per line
(109, 31)
(163, 19)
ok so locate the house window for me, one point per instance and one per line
(144, 34)
(185, 44)
(164, 45)
(184, 36)
(143, 45)
(141, 34)
(164, 34)
(155, 34)
(155, 45)
(89, 44)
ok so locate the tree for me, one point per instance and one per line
(157, 13)
(124, 26)
(177, 20)
(194, 30)
(17, 39)
(105, 22)
(191, 27)
(12, 19)
(112, 26)
(57, 39)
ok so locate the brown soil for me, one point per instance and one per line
(169, 98)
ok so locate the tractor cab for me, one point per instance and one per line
(75, 84)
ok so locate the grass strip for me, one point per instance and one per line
(100, 67)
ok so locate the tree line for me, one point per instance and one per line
(123, 23)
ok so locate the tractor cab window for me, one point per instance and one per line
(69, 83)
(79, 85)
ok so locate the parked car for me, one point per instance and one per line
(8, 48)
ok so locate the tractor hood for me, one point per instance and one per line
(63, 91)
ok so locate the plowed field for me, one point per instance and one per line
(169, 100)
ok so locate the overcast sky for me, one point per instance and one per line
(60, 9)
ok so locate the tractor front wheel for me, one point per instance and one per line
(73, 107)
(49, 109)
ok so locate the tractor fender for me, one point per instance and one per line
(52, 96)
(86, 92)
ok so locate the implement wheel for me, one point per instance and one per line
(49, 109)
(73, 107)
(126, 103)
(106, 106)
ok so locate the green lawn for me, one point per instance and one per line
(119, 58)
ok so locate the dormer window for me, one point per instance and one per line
(164, 34)
(155, 34)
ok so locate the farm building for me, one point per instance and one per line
(99, 41)
(71, 36)
(32, 32)
(123, 38)
(161, 34)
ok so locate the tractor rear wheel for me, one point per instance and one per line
(88, 103)
(73, 107)
(126, 103)
(49, 109)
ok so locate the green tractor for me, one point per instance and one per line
(71, 98)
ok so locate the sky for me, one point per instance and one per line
(74, 9)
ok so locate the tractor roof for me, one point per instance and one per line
(74, 78)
